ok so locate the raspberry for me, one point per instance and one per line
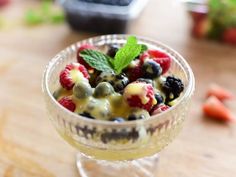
(159, 57)
(134, 72)
(143, 57)
(81, 60)
(164, 63)
(71, 74)
(140, 95)
(67, 103)
(157, 54)
(159, 109)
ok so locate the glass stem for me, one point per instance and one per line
(145, 167)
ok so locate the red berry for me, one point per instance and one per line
(140, 95)
(162, 58)
(71, 74)
(143, 57)
(157, 54)
(135, 72)
(67, 103)
(215, 109)
(80, 59)
(159, 109)
(229, 36)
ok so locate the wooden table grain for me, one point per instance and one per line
(29, 146)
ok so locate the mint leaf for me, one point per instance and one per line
(143, 48)
(97, 60)
(126, 54)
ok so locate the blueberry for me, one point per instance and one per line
(151, 69)
(58, 93)
(99, 108)
(132, 117)
(86, 114)
(159, 98)
(117, 81)
(147, 81)
(135, 117)
(117, 119)
(82, 90)
(112, 50)
(137, 114)
(103, 89)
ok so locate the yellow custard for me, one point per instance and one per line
(137, 89)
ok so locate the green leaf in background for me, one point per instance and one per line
(97, 60)
(223, 12)
(33, 18)
(47, 13)
(46, 7)
(126, 54)
(57, 17)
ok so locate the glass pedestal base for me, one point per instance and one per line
(145, 167)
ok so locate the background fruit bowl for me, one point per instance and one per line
(213, 19)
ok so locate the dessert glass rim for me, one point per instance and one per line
(188, 90)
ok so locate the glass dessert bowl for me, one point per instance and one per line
(109, 148)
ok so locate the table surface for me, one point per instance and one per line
(29, 146)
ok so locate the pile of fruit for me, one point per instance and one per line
(219, 23)
(121, 83)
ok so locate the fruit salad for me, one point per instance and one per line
(118, 83)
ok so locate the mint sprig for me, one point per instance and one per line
(97, 60)
(126, 54)
(122, 59)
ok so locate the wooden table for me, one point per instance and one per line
(29, 146)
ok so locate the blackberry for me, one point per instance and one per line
(112, 50)
(117, 81)
(172, 88)
(87, 115)
(117, 119)
(151, 69)
(103, 89)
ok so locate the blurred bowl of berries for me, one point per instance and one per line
(101, 16)
(213, 19)
(119, 100)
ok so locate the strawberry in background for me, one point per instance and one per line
(214, 108)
